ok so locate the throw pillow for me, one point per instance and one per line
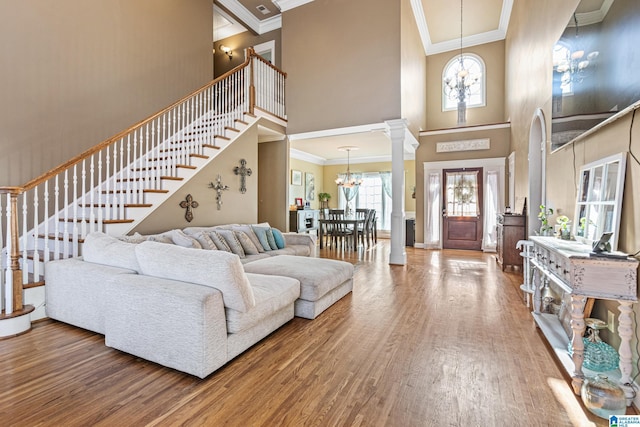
(248, 246)
(261, 232)
(136, 238)
(160, 238)
(278, 237)
(271, 239)
(205, 241)
(181, 239)
(252, 235)
(233, 242)
(219, 241)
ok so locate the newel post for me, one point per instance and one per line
(252, 81)
(15, 253)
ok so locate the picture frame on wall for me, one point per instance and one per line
(296, 177)
(310, 186)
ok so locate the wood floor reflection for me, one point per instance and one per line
(444, 340)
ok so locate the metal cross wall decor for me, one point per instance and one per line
(189, 204)
(244, 172)
(219, 187)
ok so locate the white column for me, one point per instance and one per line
(397, 130)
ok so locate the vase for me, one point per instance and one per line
(603, 397)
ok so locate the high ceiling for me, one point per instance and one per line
(439, 23)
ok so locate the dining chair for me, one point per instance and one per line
(340, 233)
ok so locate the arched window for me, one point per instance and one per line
(469, 68)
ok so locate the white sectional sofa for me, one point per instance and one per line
(188, 309)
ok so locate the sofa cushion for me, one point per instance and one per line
(271, 239)
(261, 232)
(271, 294)
(100, 248)
(181, 239)
(247, 245)
(217, 269)
(232, 241)
(278, 237)
(205, 240)
(219, 241)
(252, 235)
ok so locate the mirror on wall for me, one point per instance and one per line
(591, 63)
(599, 200)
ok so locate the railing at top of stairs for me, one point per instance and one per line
(48, 217)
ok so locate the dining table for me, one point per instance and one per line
(349, 222)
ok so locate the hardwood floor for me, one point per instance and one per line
(445, 340)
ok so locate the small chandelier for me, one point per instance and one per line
(459, 87)
(571, 63)
(349, 181)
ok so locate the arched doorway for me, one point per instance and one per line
(537, 169)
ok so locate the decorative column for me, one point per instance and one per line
(397, 130)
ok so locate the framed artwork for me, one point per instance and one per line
(310, 186)
(296, 177)
(299, 203)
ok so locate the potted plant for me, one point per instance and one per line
(543, 216)
(324, 200)
(564, 231)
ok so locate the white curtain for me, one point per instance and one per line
(433, 212)
(489, 238)
(386, 182)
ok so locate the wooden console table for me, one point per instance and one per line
(510, 230)
(569, 265)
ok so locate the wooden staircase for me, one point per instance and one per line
(115, 185)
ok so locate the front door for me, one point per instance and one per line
(462, 213)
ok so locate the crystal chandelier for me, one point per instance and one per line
(459, 86)
(348, 181)
(571, 62)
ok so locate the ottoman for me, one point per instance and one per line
(322, 281)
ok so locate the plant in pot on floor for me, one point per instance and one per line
(324, 200)
(543, 216)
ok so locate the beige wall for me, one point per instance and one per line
(236, 207)
(75, 72)
(273, 160)
(493, 56)
(413, 72)
(331, 173)
(343, 63)
(532, 34)
(238, 43)
(426, 152)
(300, 190)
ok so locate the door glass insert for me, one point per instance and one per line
(462, 193)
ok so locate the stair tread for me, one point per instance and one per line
(167, 177)
(32, 282)
(61, 237)
(126, 205)
(104, 221)
(146, 190)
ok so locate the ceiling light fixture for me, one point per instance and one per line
(347, 180)
(459, 87)
(570, 62)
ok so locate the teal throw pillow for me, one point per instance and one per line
(278, 237)
(271, 239)
(261, 233)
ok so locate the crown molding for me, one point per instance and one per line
(589, 18)
(250, 20)
(285, 5)
(339, 131)
(306, 157)
(454, 44)
(465, 129)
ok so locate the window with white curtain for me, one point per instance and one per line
(371, 195)
(489, 239)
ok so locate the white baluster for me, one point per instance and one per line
(83, 220)
(8, 300)
(2, 268)
(36, 252)
(56, 219)
(108, 198)
(111, 176)
(129, 167)
(92, 214)
(65, 216)
(151, 149)
(123, 182)
(75, 212)
(47, 250)
(25, 239)
(139, 162)
(144, 138)
(102, 206)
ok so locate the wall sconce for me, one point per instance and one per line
(227, 50)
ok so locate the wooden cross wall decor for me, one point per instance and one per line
(244, 172)
(189, 204)
(219, 187)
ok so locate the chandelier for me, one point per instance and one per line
(570, 61)
(348, 180)
(459, 85)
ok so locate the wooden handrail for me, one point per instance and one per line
(260, 58)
